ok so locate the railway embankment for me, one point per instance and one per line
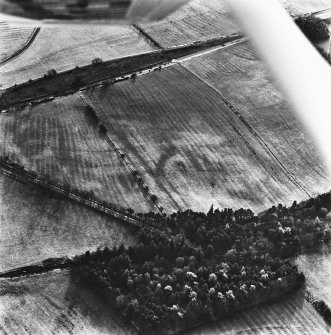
(54, 84)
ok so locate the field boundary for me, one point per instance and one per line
(320, 306)
(46, 265)
(18, 173)
(322, 11)
(20, 51)
(85, 77)
(147, 37)
(255, 134)
(122, 157)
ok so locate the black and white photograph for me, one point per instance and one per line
(165, 167)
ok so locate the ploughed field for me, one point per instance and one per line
(61, 140)
(316, 265)
(198, 20)
(192, 138)
(64, 48)
(308, 6)
(239, 76)
(12, 39)
(178, 131)
(293, 315)
(53, 303)
(212, 129)
(35, 225)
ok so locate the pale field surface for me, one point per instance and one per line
(12, 39)
(63, 48)
(191, 149)
(198, 20)
(35, 226)
(237, 74)
(317, 268)
(307, 6)
(293, 316)
(53, 303)
(59, 139)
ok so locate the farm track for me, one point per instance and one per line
(254, 133)
(19, 52)
(122, 156)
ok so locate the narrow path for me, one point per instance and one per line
(19, 52)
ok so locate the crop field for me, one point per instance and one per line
(317, 269)
(238, 75)
(188, 145)
(54, 303)
(308, 6)
(293, 316)
(12, 39)
(59, 139)
(196, 21)
(35, 225)
(65, 48)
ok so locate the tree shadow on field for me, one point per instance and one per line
(264, 318)
(298, 299)
(86, 310)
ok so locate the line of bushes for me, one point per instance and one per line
(135, 173)
(44, 266)
(323, 309)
